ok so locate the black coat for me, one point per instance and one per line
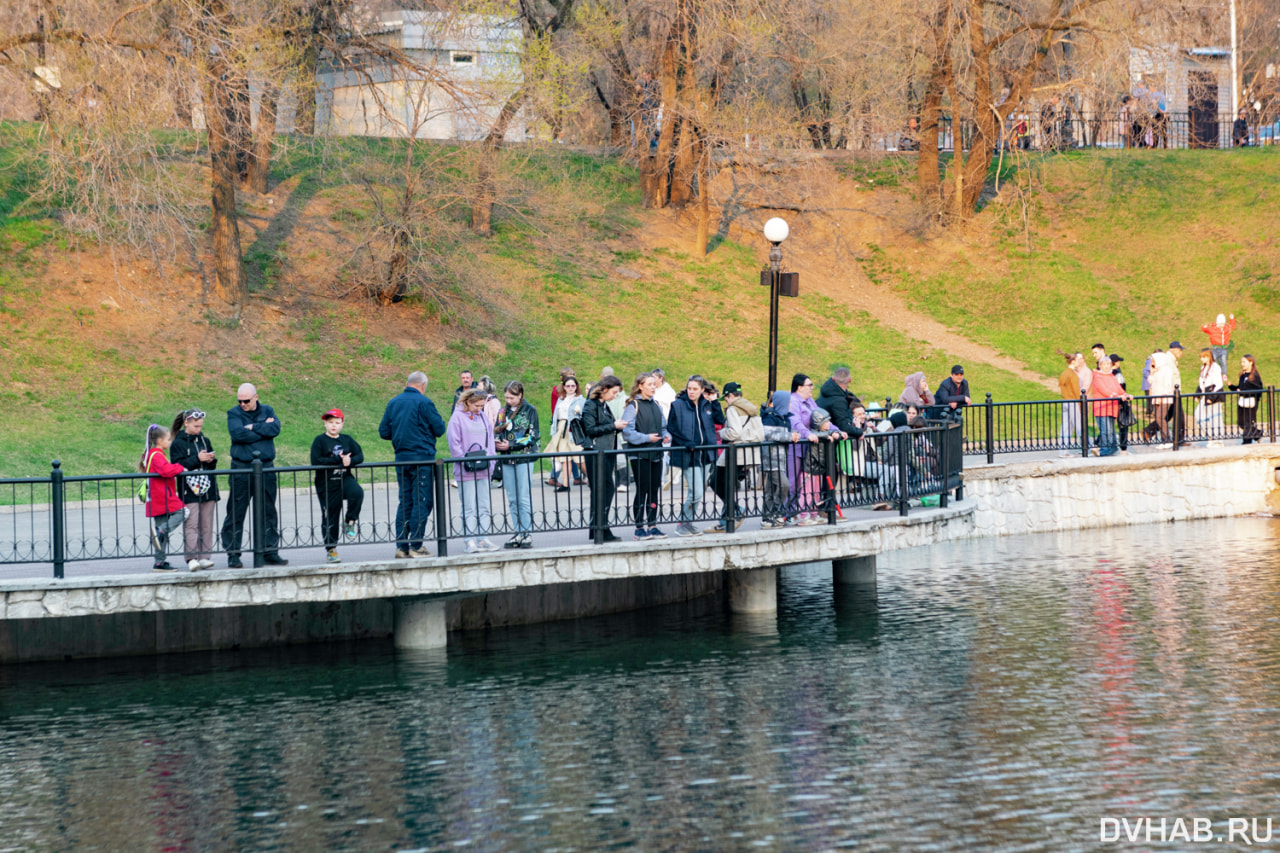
(328, 452)
(949, 393)
(839, 404)
(244, 441)
(185, 451)
(597, 423)
(693, 426)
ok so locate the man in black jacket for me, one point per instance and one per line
(953, 394)
(838, 400)
(253, 427)
(412, 425)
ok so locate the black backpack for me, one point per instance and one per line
(771, 417)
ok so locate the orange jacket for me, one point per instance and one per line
(1219, 336)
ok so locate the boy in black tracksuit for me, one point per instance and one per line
(340, 454)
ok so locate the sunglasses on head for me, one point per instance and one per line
(193, 414)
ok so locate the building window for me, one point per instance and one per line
(460, 58)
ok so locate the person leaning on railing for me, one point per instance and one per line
(1250, 387)
(601, 428)
(692, 425)
(412, 424)
(337, 455)
(193, 450)
(253, 427)
(1106, 393)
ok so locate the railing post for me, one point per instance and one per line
(828, 488)
(1271, 412)
(440, 471)
(944, 462)
(990, 414)
(904, 492)
(598, 508)
(59, 522)
(259, 512)
(1177, 415)
(730, 488)
(1084, 424)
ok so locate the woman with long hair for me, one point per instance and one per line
(692, 426)
(516, 438)
(644, 435)
(1250, 388)
(192, 450)
(602, 429)
(1208, 413)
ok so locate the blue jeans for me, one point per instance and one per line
(416, 501)
(517, 482)
(1106, 434)
(476, 518)
(695, 486)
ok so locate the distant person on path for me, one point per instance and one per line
(466, 383)
(557, 390)
(644, 435)
(193, 450)
(838, 400)
(470, 433)
(1069, 390)
(1219, 332)
(339, 454)
(412, 424)
(164, 507)
(516, 438)
(253, 427)
(602, 426)
(915, 391)
(692, 425)
(569, 407)
(1106, 394)
(1240, 129)
(1208, 412)
(953, 394)
(1250, 387)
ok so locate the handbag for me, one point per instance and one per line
(199, 484)
(1248, 402)
(1216, 399)
(578, 433)
(1126, 418)
(471, 463)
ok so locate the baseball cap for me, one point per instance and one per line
(732, 388)
(1175, 345)
(332, 413)
(955, 368)
(1115, 358)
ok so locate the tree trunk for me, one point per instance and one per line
(704, 200)
(260, 155)
(230, 282)
(486, 190)
(927, 175)
(304, 110)
(686, 159)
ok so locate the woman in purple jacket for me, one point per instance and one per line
(802, 408)
(470, 432)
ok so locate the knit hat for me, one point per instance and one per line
(898, 418)
(1222, 320)
(820, 417)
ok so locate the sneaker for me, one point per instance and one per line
(206, 564)
(526, 541)
(641, 533)
(621, 488)
(351, 530)
(609, 536)
(655, 533)
(769, 524)
(331, 555)
(234, 563)
(418, 553)
(719, 528)
(194, 565)
(453, 484)
(513, 542)
(275, 560)
(687, 530)
(471, 547)
(163, 567)
(402, 554)
(789, 521)
(813, 521)
(485, 545)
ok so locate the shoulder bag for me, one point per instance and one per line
(474, 461)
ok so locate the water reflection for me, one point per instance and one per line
(996, 694)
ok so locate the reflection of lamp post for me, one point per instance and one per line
(779, 283)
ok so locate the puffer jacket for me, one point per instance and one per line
(693, 425)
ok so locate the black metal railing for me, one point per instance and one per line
(1072, 427)
(63, 519)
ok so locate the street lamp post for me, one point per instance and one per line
(779, 284)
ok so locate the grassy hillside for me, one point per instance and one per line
(80, 381)
(1133, 249)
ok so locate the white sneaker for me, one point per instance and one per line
(471, 547)
(206, 564)
(486, 545)
(195, 566)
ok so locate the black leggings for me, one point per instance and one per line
(646, 470)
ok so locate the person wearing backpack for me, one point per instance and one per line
(743, 425)
(470, 433)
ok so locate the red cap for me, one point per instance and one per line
(332, 413)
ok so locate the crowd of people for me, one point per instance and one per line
(1112, 405)
(666, 437)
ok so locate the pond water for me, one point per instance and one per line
(1004, 694)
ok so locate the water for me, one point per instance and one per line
(995, 695)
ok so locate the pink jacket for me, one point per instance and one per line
(1105, 384)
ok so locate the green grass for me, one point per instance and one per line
(1155, 245)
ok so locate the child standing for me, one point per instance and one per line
(164, 507)
(193, 451)
(335, 483)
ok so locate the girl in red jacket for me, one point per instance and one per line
(164, 507)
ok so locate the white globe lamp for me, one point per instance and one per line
(776, 230)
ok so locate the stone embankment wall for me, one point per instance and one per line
(1070, 494)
